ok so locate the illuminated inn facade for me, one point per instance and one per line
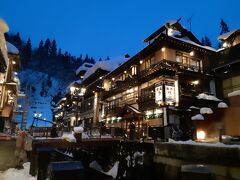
(152, 89)
(155, 87)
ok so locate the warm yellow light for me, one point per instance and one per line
(195, 82)
(148, 113)
(72, 88)
(191, 53)
(225, 44)
(201, 135)
(163, 49)
(113, 79)
(141, 62)
(114, 97)
(13, 62)
(125, 72)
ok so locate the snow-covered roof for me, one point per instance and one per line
(3, 26)
(206, 110)
(197, 117)
(186, 40)
(84, 67)
(222, 105)
(207, 97)
(225, 36)
(67, 90)
(234, 93)
(108, 65)
(12, 49)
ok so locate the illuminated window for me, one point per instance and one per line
(134, 70)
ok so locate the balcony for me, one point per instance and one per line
(120, 86)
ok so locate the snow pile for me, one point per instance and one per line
(69, 137)
(207, 97)
(206, 110)
(112, 172)
(17, 174)
(234, 93)
(197, 117)
(194, 107)
(222, 105)
(106, 136)
(78, 129)
(108, 65)
(191, 142)
(12, 49)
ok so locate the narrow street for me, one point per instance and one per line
(7, 157)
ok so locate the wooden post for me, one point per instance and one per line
(33, 163)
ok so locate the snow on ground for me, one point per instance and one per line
(234, 93)
(207, 97)
(17, 174)
(191, 142)
(40, 89)
(112, 172)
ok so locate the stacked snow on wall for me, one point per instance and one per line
(207, 97)
(107, 65)
(206, 110)
(222, 105)
(234, 93)
(197, 117)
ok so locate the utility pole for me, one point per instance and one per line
(189, 20)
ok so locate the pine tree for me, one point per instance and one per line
(26, 54)
(100, 59)
(206, 41)
(40, 50)
(91, 60)
(53, 49)
(86, 58)
(46, 48)
(224, 27)
(17, 41)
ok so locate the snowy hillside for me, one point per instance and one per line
(40, 88)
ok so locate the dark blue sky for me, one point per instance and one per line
(112, 27)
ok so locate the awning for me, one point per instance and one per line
(7, 110)
(127, 109)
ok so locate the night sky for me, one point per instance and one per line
(112, 27)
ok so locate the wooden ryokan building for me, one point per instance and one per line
(156, 86)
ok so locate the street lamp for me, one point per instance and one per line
(36, 116)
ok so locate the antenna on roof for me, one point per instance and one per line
(189, 20)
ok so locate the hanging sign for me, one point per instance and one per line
(159, 94)
(169, 94)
